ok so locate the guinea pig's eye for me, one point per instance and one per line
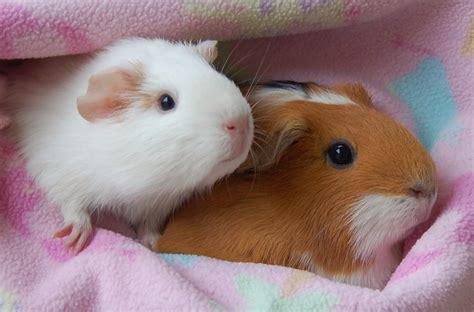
(166, 102)
(340, 154)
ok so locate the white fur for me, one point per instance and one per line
(144, 166)
(276, 96)
(378, 224)
(330, 98)
(375, 277)
(280, 96)
(379, 221)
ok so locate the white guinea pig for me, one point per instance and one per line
(133, 130)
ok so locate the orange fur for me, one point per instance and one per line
(290, 201)
(355, 92)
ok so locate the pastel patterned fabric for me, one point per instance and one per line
(38, 28)
(417, 59)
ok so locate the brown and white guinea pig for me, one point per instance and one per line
(334, 187)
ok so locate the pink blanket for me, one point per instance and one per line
(416, 57)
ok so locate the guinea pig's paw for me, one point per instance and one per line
(77, 234)
(147, 237)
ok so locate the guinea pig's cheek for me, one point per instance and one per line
(216, 160)
(378, 221)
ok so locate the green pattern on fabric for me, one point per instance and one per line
(261, 295)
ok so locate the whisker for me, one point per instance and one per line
(254, 177)
(230, 55)
(258, 130)
(227, 187)
(261, 132)
(259, 146)
(262, 137)
(231, 76)
(243, 58)
(261, 140)
(257, 79)
(262, 118)
(256, 103)
(259, 68)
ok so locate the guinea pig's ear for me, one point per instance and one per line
(277, 129)
(208, 49)
(356, 92)
(105, 92)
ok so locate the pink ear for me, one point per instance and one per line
(208, 49)
(105, 92)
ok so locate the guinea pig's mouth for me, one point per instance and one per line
(229, 164)
(238, 150)
(234, 161)
(425, 209)
(423, 215)
(233, 158)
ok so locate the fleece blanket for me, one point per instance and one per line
(417, 59)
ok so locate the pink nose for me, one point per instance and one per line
(238, 129)
(238, 125)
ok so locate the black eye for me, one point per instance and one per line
(340, 154)
(166, 102)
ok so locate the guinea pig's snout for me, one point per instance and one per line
(424, 191)
(236, 126)
(421, 190)
(238, 130)
(425, 194)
